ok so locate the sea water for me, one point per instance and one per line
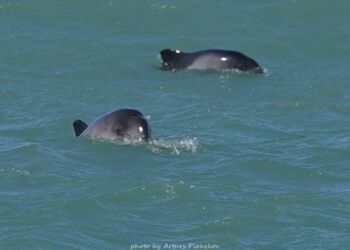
(237, 160)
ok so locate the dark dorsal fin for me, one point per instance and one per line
(79, 127)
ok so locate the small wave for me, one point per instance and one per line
(174, 146)
(158, 6)
(8, 145)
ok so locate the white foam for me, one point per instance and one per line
(175, 146)
(14, 171)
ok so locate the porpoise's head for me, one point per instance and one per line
(250, 65)
(170, 57)
(137, 129)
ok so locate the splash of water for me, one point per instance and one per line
(175, 146)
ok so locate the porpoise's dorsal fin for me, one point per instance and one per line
(79, 127)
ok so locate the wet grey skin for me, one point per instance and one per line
(212, 59)
(127, 124)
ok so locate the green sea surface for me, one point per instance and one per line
(237, 160)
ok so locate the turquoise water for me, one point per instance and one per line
(238, 161)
